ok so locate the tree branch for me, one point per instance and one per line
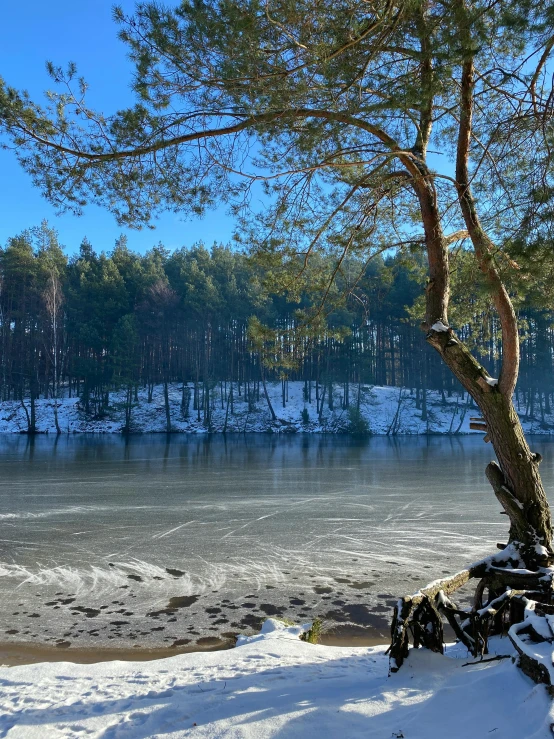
(482, 244)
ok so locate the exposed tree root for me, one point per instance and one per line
(514, 593)
(533, 639)
(518, 601)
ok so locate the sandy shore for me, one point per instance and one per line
(26, 653)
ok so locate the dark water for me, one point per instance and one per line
(160, 540)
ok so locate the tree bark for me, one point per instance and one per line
(519, 467)
(266, 394)
(167, 407)
(526, 559)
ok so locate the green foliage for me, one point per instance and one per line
(317, 101)
(201, 314)
(313, 635)
(357, 424)
(332, 107)
(305, 415)
(125, 344)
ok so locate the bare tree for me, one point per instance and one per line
(53, 302)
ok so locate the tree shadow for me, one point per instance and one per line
(349, 697)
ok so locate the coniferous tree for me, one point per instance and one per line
(343, 102)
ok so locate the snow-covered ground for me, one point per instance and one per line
(385, 410)
(275, 685)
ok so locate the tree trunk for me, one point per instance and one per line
(128, 409)
(522, 570)
(266, 394)
(229, 397)
(167, 408)
(56, 419)
(26, 415)
(33, 420)
(518, 465)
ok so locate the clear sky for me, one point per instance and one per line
(33, 31)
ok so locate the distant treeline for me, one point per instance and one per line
(95, 322)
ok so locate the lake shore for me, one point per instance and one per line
(26, 653)
(13, 654)
(275, 685)
(371, 410)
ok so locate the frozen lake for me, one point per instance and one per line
(165, 541)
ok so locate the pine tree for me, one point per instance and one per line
(336, 107)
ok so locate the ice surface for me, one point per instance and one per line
(97, 519)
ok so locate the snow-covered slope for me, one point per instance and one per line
(277, 686)
(385, 410)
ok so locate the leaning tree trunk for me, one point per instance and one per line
(266, 394)
(517, 581)
(515, 585)
(515, 480)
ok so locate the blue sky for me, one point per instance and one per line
(33, 31)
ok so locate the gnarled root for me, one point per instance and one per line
(518, 599)
(518, 583)
(421, 613)
(533, 638)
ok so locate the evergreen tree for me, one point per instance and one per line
(336, 107)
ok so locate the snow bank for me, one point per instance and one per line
(277, 686)
(274, 629)
(385, 410)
